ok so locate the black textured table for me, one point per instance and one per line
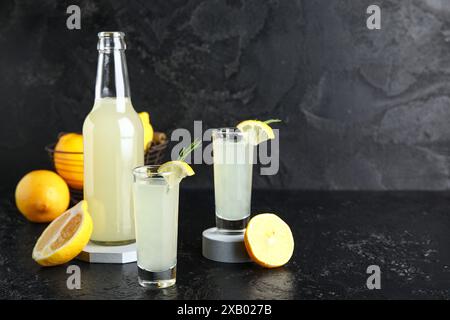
(337, 236)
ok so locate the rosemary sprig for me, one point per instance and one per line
(187, 150)
(272, 121)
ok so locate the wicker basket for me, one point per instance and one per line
(153, 156)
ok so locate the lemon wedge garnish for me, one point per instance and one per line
(268, 240)
(65, 237)
(258, 131)
(175, 171)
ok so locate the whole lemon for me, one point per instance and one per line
(68, 158)
(148, 129)
(42, 195)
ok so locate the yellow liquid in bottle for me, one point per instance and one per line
(113, 146)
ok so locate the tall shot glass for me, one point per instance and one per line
(156, 219)
(233, 164)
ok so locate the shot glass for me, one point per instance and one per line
(156, 219)
(233, 164)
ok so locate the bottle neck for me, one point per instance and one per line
(112, 75)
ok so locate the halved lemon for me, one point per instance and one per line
(148, 129)
(268, 240)
(65, 237)
(177, 170)
(258, 131)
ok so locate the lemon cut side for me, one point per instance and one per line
(268, 240)
(65, 237)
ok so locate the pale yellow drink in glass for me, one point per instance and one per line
(233, 164)
(156, 218)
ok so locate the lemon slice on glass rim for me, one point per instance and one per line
(258, 131)
(175, 171)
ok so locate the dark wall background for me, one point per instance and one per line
(361, 109)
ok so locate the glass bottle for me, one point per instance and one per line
(113, 146)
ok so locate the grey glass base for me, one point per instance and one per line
(157, 280)
(232, 225)
(224, 246)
